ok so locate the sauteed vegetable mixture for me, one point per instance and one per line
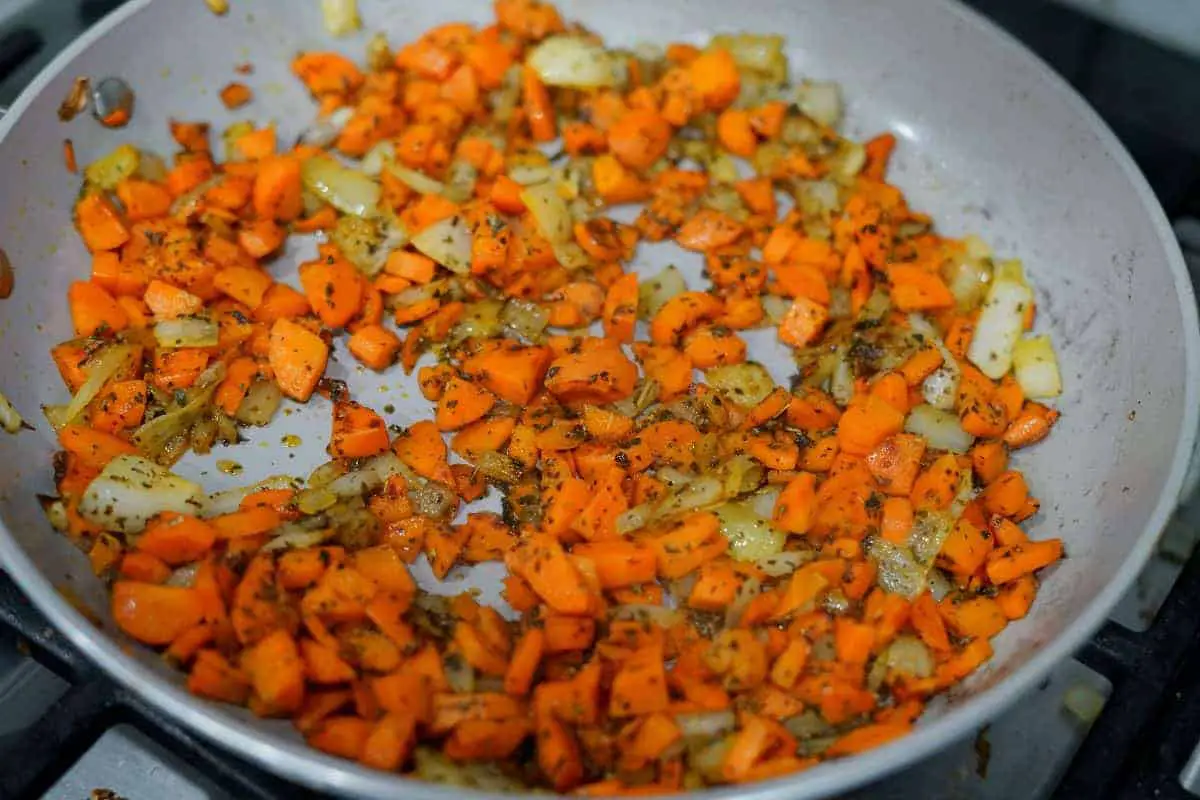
(711, 578)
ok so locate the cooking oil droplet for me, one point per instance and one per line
(291, 440)
(229, 467)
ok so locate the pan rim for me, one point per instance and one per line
(299, 763)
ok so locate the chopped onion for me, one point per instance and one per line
(781, 565)
(371, 475)
(230, 500)
(841, 379)
(968, 279)
(763, 503)
(758, 53)
(186, 332)
(1001, 321)
(746, 384)
(807, 725)
(570, 255)
(379, 53)
(324, 132)
(347, 190)
(315, 500)
(10, 419)
(106, 172)
(360, 241)
(705, 491)
(261, 402)
(821, 101)
(751, 537)
(775, 308)
(56, 512)
(499, 467)
(130, 490)
(481, 320)
(154, 437)
(460, 181)
(817, 197)
(654, 293)
(898, 570)
(941, 429)
(293, 536)
(151, 167)
(448, 242)
(573, 61)
(430, 765)
(549, 210)
(526, 319)
(849, 160)
(100, 370)
(325, 474)
(928, 534)
(634, 519)
(432, 499)
(908, 656)
(709, 761)
(382, 155)
(340, 16)
(529, 173)
(1035, 366)
(741, 474)
(706, 725)
(419, 182)
(940, 389)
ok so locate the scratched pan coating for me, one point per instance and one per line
(991, 142)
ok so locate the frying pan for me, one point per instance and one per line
(991, 143)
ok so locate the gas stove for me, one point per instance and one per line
(1121, 719)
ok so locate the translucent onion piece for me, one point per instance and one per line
(131, 489)
(347, 190)
(941, 429)
(572, 61)
(419, 182)
(100, 370)
(654, 293)
(340, 16)
(259, 405)
(1001, 320)
(746, 384)
(448, 242)
(186, 332)
(230, 500)
(296, 537)
(751, 537)
(528, 320)
(706, 725)
(820, 101)
(1035, 366)
(106, 172)
(780, 565)
(154, 437)
(10, 419)
(898, 571)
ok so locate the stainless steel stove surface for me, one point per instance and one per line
(1023, 754)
